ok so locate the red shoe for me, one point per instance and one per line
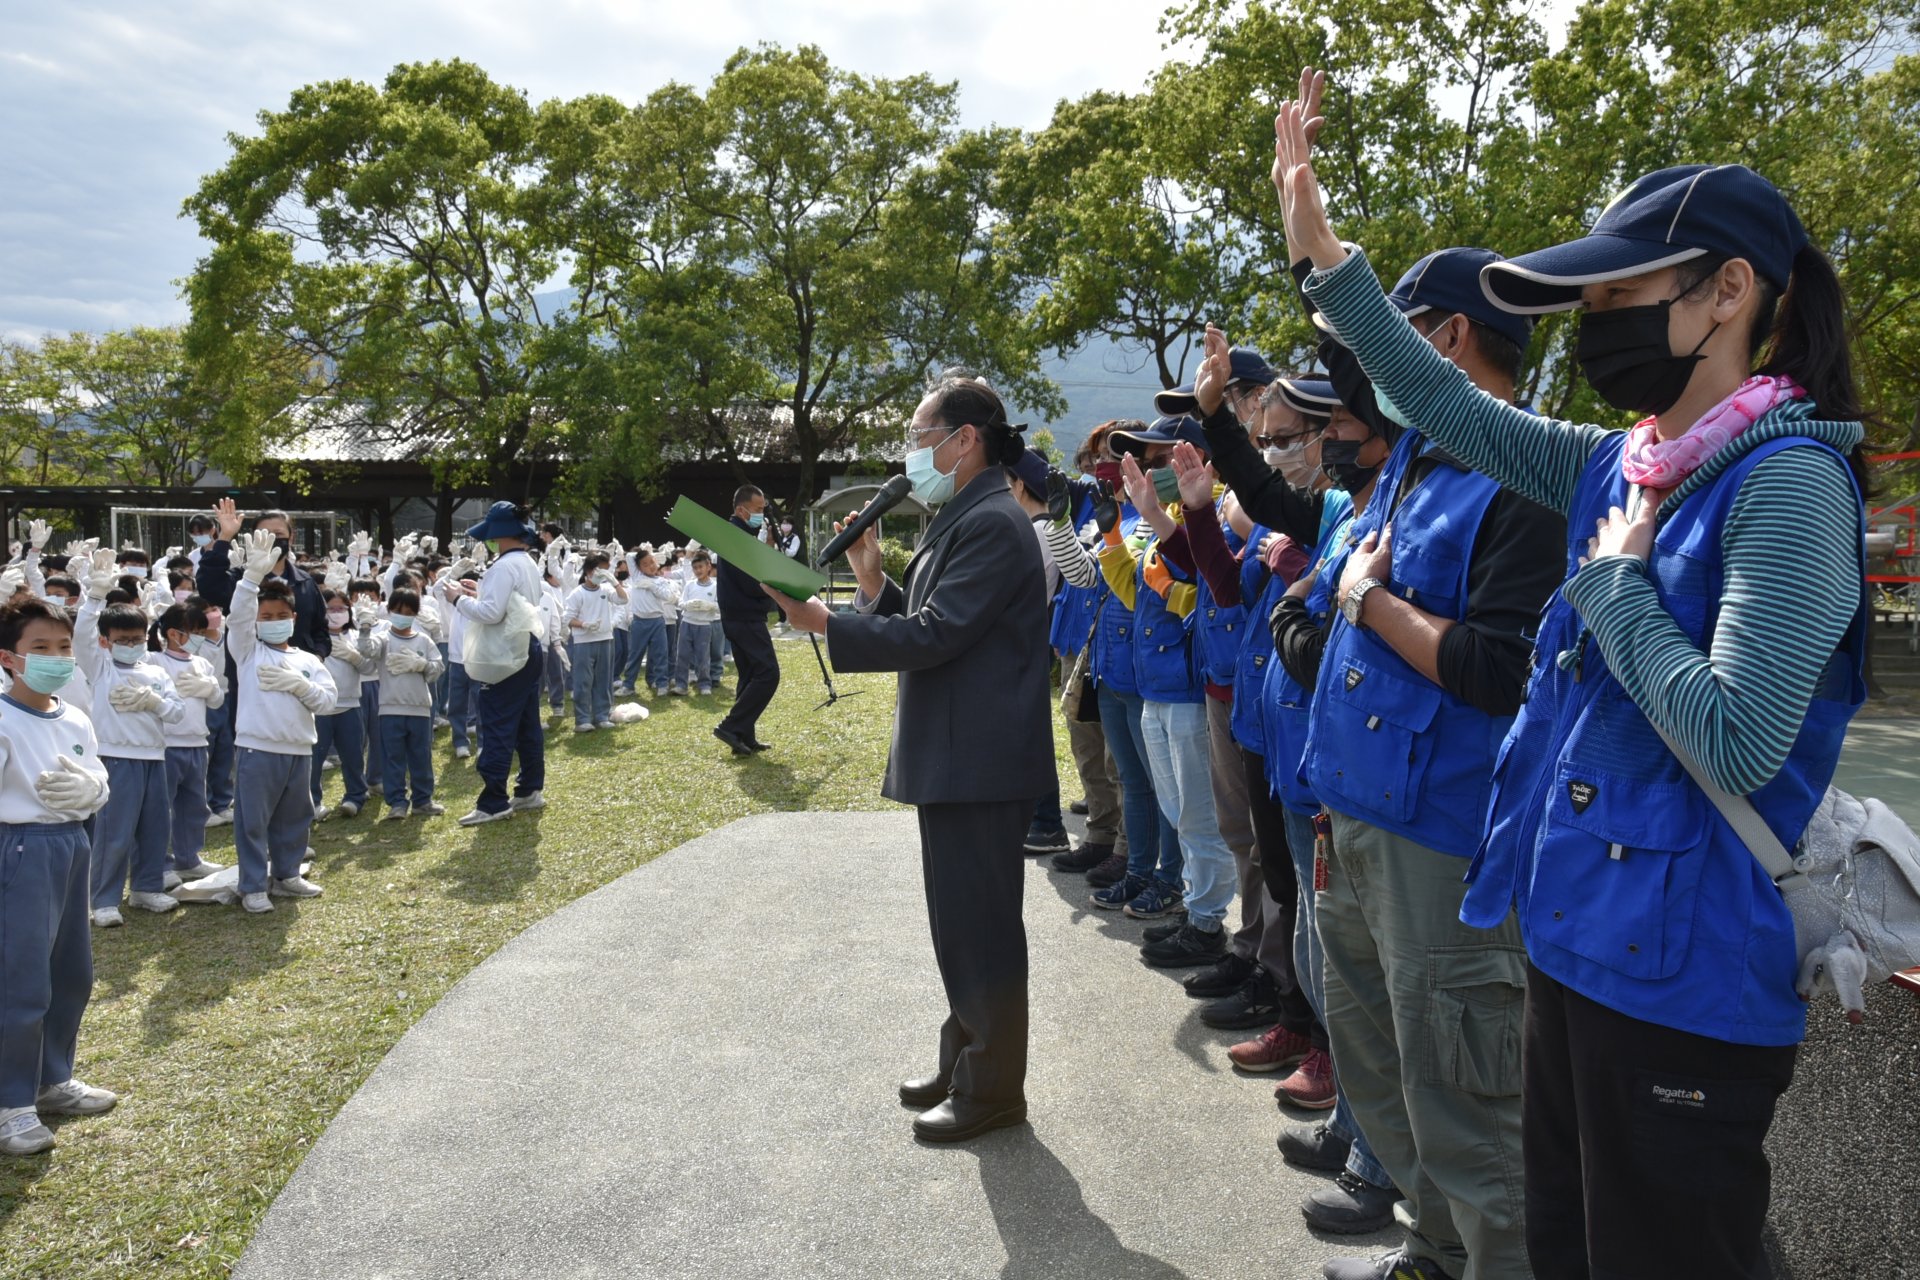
(1312, 1085)
(1276, 1048)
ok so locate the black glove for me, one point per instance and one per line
(1059, 501)
(1106, 512)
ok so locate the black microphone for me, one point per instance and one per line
(891, 494)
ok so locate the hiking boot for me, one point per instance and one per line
(1221, 979)
(1083, 857)
(1047, 839)
(1111, 870)
(1157, 898)
(1119, 893)
(1190, 946)
(1311, 1084)
(1313, 1146)
(1255, 1004)
(1350, 1206)
(1277, 1048)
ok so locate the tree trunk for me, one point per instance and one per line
(443, 505)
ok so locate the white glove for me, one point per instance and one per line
(345, 649)
(460, 568)
(402, 662)
(11, 581)
(284, 679)
(361, 544)
(262, 555)
(172, 552)
(192, 684)
(477, 553)
(337, 577)
(129, 696)
(559, 546)
(429, 545)
(365, 614)
(75, 550)
(100, 574)
(38, 531)
(69, 788)
(617, 551)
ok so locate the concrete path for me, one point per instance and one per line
(691, 1073)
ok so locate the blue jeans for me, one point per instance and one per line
(460, 705)
(370, 716)
(647, 641)
(1148, 831)
(131, 831)
(698, 656)
(406, 742)
(272, 816)
(440, 685)
(46, 955)
(509, 723)
(592, 681)
(187, 804)
(345, 732)
(1311, 967)
(220, 756)
(556, 679)
(1181, 756)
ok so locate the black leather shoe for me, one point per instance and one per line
(922, 1092)
(1188, 947)
(1079, 807)
(1311, 1146)
(1350, 1206)
(1082, 857)
(1220, 979)
(1255, 1004)
(732, 739)
(962, 1119)
(754, 744)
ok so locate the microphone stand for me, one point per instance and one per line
(833, 695)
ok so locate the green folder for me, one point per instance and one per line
(744, 551)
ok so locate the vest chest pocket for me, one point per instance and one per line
(1619, 870)
(1379, 730)
(1434, 580)
(1687, 585)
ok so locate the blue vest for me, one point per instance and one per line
(1073, 606)
(1284, 702)
(1631, 888)
(1166, 665)
(1223, 629)
(1386, 744)
(1250, 670)
(1113, 632)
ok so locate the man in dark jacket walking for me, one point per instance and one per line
(743, 620)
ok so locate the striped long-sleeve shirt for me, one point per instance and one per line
(1791, 544)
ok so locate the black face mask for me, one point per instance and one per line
(1340, 459)
(286, 548)
(1628, 358)
(1355, 390)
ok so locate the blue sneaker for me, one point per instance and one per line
(1119, 893)
(1155, 899)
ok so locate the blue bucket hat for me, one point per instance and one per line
(1665, 218)
(1314, 397)
(1449, 280)
(1168, 430)
(1249, 366)
(503, 520)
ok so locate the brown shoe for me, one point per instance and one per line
(1110, 871)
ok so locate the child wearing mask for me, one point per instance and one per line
(51, 782)
(558, 672)
(698, 659)
(274, 733)
(365, 597)
(411, 661)
(183, 631)
(460, 704)
(590, 610)
(342, 729)
(133, 702)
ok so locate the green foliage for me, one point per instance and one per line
(894, 555)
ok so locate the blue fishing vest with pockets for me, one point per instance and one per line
(1386, 745)
(1222, 628)
(1246, 723)
(1073, 606)
(1284, 702)
(1166, 663)
(1114, 632)
(1631, 888)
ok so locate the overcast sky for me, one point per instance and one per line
(115, 110)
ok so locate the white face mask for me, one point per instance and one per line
(1292, 464)
(134, 570)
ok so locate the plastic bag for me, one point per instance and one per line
(493, 652)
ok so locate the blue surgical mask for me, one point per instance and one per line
(128, 654)
(400, 622)
(930, 484)
(46, 673)
(202, 539)
(134, 570)
(1390, 411)
(756, 520)
(279, 631)
(198, 646)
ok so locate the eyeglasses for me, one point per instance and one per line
(915, 435)
(1287, 442)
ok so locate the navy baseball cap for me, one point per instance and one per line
(1314, 397)
(1665, 218)
(1249, 367)
(1167, 430)
(1032, 470)
(1449, 280)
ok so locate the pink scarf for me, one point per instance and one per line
(1653, 463)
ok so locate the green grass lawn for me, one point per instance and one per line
(233, 1039)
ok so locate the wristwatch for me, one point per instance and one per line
(1351, 603)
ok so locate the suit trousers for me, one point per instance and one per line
(758, 668)
(976, 875)
(46, 955)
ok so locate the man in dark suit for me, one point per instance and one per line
(972, 736)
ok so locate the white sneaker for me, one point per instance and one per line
(257, 903)
(347, 809)
(322, 813)
(171, 881)
(431, 809)
(395, 814)
(198, 871)
(107, 918)
(222, 818)
(294, 886)
(74, 1098)
(533, 800)
(158, 903)
(441, 722)
(22, 1134)
(605, 724)
(479, 816)
(583, 728)
(460, 752)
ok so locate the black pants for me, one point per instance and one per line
(976, 875)
(1643, 1145)
(757, 670)
(510, 723)
(1283, 887)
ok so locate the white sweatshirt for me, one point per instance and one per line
(191, 729)
(513, 573)
(346, 672)
(124, 735)
(31, 743)
(700, 602)
(406, 693)
(652, 597)
(267, 719)
(593, 608)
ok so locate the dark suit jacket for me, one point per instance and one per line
(973, 720)
(216, 579)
